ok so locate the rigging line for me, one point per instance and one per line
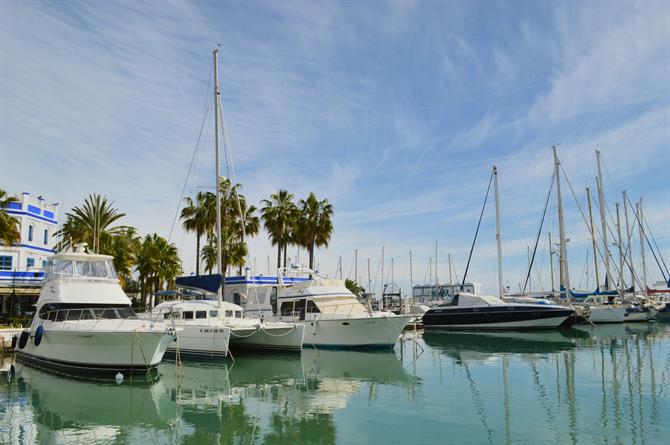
(581, 211)
(539, 232)
(646, 223)
(188, 173)
(644, 232)
(472, 248)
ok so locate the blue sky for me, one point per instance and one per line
(394, 111)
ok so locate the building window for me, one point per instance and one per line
(5, 263)
(44, 264)
(30, 233)
(30, 262)
(46, 236)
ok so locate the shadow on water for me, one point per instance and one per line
(256, 399)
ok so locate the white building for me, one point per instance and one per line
(21, 264)
(437, 292)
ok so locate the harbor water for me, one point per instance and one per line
(604, 384)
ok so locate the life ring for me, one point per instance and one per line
(23, 340)
(38, 335)
(14, 340)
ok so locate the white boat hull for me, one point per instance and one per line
(268, 337)
(607, 314)
(94, 349)
(369, 332)
(201, 341)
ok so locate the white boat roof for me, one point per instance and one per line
(319, 287)
(81, 256)
(466, 299)
(194, 305)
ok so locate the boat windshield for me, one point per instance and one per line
(77, 268)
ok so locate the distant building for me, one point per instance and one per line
(21, 264)
(435, 292)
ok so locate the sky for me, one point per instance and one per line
(393, 111)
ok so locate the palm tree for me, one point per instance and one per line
(353, 287)
(279, 217)
(233, 251)
(247, 224)
(125, 248)
(89, 223)
(316, 224)
(158, 264)
(9, 232)
(197, 216)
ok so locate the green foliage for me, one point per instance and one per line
(9, 226)
(19, 321)
(92, 223)
(353, 287)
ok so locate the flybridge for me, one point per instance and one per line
(211, 283)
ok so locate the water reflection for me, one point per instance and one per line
(272, 399)
(602, 384)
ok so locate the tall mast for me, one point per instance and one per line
(369, 284)
(603, 222)
(356, 266)
(593, 237)
(219, 256)
(629, 249)
(411, 274)
(383, 280)
(641, 228)
(436, 282)
(451, 282)
(498, 235)
(618, 231)
(563, 251)
(551, 263)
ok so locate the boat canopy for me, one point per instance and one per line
(80, 266)
(465, 299)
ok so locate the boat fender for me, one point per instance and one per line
(39, 332)
(14, 342)
(23, 339)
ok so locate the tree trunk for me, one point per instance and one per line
(197, 255)
(279, 254)
(285, 252)
(311, 255)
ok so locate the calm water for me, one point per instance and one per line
(608, 385)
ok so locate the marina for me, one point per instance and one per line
(323, 222)
(599, 384)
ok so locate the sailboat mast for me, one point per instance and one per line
(411, 274)
(551, 263)
(436, 282)
(563, 251)
(593, 237)
(219, 256)
(618, 231)
(641, 228)
(629, 249)
(498, 235)
(603, 222)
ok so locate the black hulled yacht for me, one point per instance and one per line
(484, 312)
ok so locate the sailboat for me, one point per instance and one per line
(211, 325)
(468, 311)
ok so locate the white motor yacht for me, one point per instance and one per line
(332, 316)
(211, 329)
(84, 323)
